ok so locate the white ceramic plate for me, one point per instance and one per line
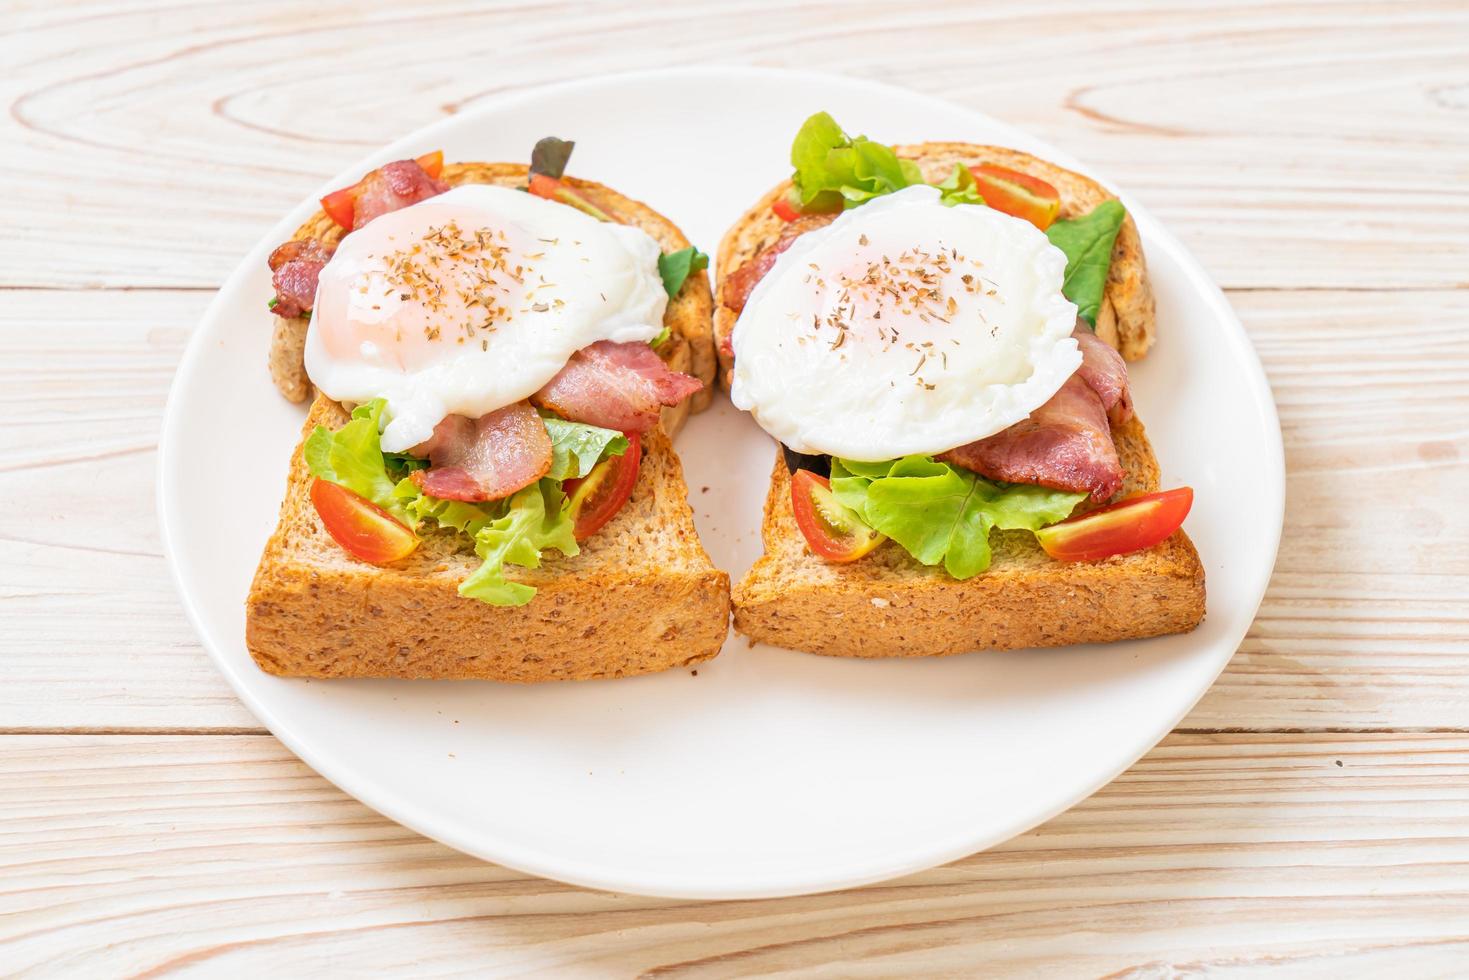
(770, 772)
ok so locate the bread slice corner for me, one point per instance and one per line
(888, 605)
(641, 597)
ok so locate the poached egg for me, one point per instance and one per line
(905, 327)
(473, 300)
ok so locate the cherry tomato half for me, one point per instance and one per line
(835, 532)
(1018, 194)
(597, 497)
(361, 527)
(785, 209)
(1128, 525)
(339, 205)
(555, 190)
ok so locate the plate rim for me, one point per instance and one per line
(529, 860)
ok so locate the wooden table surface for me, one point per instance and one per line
(1312, 812)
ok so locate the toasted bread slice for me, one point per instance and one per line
(642, 596)
(690, 349)
(1126, 318)
(888, 605)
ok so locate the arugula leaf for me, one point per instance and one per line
(833, 169)
(535, 519)
(941, 513)
(959, 187)
(1087, 242)
(550, 155)
(675, 267)
(352, 457)
(577, 447)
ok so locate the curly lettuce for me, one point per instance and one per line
(513, 531)
(943, 514)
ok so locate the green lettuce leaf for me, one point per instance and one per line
(834, 169)
(943, 514)
(662, 338)
(675, 267)
(352, 457)
(1087, 242)
(535, 519)
(959, 187)
(577, 447)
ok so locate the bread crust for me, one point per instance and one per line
(1126, 320)
(688, 315)
(641, 597)
(889, 605)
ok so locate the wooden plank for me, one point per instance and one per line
(1365, 624)
(1289, 144)
(1331, 855)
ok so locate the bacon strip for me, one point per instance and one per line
(486, 458)
(616, 386)
(295, 267)
(1105, 372)
(390, 187)
(742, 282)
(1066, 444)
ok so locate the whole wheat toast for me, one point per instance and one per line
(642, 596)
(887, 604)
(690, 349)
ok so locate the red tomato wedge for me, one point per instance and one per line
(597, 497)
(554, 190)
(339, 205)
(1128, 525)
(361, 527)
(1018, 194)
(833, 531)
(784, 209)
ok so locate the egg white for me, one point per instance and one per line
(463, 334)
(834, 355)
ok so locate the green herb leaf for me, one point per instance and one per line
(942, 514)
(676, 267)
(550, 156)
(1087, 242)
(662, 337)
(577, 447)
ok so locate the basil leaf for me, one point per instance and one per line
(1087, 242)
(676, 267)
(550, 156)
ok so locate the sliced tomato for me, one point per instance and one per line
(360, 526)
(597, 497)
(834, 531)
(786, 209)
(432, 163)
(340, 205)
(1128, 525)
(1018, 194)
(555, 190)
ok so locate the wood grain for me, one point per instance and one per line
(1314, 155)
(1289, 145)
(1215, 854)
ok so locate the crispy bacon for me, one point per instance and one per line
(390, 187)
(294, 268)
(742, 282)
(1066, 444)
(616, 386)
(485, 458)
(1105, 372)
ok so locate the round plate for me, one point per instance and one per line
(770, 772)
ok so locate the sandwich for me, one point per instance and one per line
(498, 356)
(938, 336)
